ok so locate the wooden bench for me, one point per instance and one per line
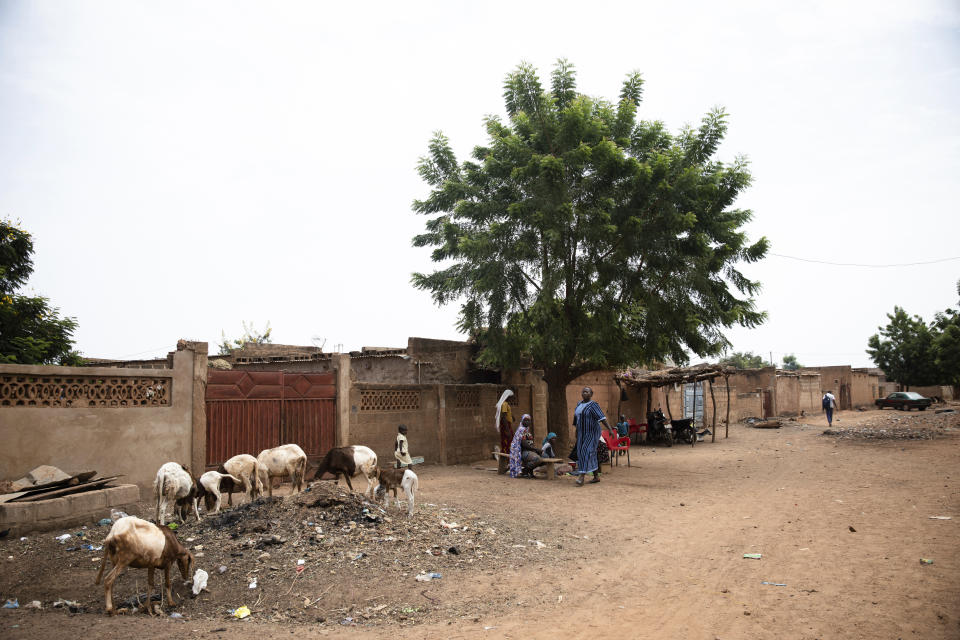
(550, 464)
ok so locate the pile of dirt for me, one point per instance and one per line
(316, 557)
(895, 425)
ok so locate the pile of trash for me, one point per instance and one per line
(324, 555)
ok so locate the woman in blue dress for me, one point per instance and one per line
(588, 418)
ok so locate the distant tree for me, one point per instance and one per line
(946, 344)
(580, 237)
(31, 331)
(790, 363)
(904, 350)
(250, 334)
(744, 360)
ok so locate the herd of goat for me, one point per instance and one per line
(137, 543)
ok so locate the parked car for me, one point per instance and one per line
(904, 400)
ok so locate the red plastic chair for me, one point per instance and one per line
(636, 429)
(616, 445)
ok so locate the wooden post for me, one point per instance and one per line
(713, 399)
(726, 434)
(667, 396)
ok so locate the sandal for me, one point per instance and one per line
(595, 480)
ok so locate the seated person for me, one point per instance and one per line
(529, 455)
(549, 446)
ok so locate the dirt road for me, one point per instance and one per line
(653, 551)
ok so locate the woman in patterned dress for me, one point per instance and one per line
(516, 455)
(588, 418)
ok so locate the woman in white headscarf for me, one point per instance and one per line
(504, 422)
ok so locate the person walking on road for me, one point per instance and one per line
(829, 404)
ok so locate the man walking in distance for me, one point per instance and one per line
(829, 403)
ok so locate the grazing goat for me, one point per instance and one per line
(348, 462)
(245, 467)
(390, 479)
(175, 484)
(211, 485)
(287, 459)
(136, 543)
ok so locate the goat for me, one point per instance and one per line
(175, 484)
(348, 462)
(211, 485)
(287, 459)
(245, 467)
(390, 479)
(136, 543)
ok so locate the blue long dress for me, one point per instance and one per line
(586, 418)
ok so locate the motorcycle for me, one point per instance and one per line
(658, 428)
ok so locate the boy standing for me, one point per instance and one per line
(401, 450)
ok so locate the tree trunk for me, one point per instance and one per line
(559, 415)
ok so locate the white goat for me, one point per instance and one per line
(175, 484)
(211, 485)
(405, 479)
(348, 462)
(245, 467)
(133, 542)
(287, 459)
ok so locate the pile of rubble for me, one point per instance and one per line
(896, 425)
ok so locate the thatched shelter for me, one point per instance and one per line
(643, 379)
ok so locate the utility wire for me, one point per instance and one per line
(872, 266)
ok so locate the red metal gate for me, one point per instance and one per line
(249, 411)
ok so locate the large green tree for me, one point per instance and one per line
(580, 237)
(904, 349)
(31, 332)
(946, 344)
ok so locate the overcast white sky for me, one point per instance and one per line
(186, 166)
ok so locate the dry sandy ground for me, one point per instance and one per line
(656, 550)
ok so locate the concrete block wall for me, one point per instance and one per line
(132, 440)
(68, 511)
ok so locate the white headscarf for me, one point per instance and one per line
(503, 398)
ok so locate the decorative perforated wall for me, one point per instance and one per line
(84, 391)
(468, 398)
(389, 400)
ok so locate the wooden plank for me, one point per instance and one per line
(57, 493)
(11, 496)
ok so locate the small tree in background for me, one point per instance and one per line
(744, 360)
(31, 331)
(250, 334)
(790, 363)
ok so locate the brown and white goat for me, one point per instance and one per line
(136, 543)
(287, 459)
(245, 467)
(390, 479)
(349, 462)
(210, 488)
(175, 484)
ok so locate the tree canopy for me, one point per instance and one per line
(581, 237)
(250, 334)
(744, 360)
(790, 362)
(31, 332)
(915, 353)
